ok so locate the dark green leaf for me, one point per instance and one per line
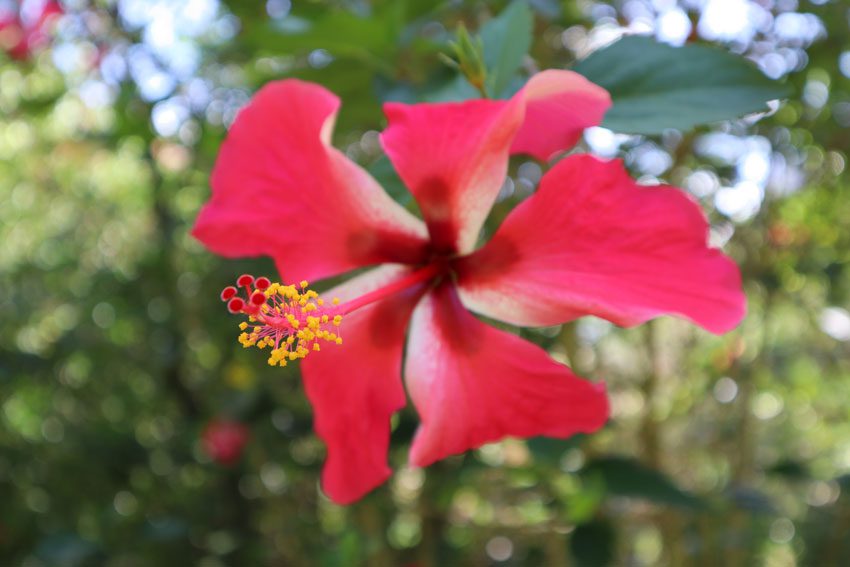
(752, 500)
(627, 477)
(655, 86)
(791, 470)
(507, 39)
(593, 544)
(550, 451)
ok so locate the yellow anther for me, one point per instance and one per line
(290, 323)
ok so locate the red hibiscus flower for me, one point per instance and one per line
(19, 37)
(588, 242)
(224, 440)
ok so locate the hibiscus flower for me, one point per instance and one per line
(589, 241)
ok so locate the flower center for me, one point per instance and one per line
(293, 321)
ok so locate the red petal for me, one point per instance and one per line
(280, 189)
(559, 106)
(454, 156)
(356, 387)
(473, 384)
(593, 242)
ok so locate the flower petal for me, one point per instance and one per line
(280, 189)
(473, 384)
(356, 387)
(559, 106)
(454, 156)
(593, 242)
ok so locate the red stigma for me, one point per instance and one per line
(228, 292)
(258, 298)
(236, 305)
(245, 280)
(262, 283)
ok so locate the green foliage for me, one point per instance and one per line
(593, 544)
(627, 477)
(655, 87)
(506, 40)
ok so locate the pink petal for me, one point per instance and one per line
(356, 387)
(473, 384)
(559, 106)
(593, 242)
(281, 190)
(454, 156)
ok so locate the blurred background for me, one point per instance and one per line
(134, 430)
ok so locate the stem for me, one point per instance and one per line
(416, 278)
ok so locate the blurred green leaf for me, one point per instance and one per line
(550, 451)
(593, 544)
(507, 39)
(66, 549)
(627, 477)
(655, 86)
(752, 500)
(791, 470)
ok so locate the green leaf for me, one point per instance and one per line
(627, 477)
(507, 39)
(593, 544)
(655, 86)
(547, 450)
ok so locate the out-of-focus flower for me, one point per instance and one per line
(224, 440)
(589, 241)
(20, 37)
